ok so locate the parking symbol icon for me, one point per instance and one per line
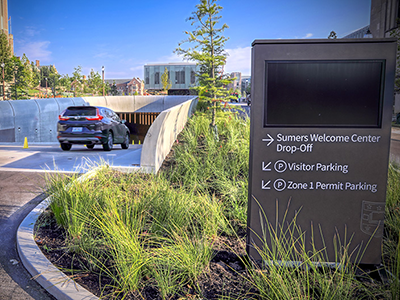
(280, 185)
(280, 166)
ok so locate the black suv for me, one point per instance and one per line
(91, 125)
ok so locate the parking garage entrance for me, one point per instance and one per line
(138, 124)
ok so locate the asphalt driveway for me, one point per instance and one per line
(51, 158)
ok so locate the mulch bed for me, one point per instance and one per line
(226, 275)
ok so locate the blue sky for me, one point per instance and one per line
(124, 35)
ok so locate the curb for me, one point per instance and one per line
(42, 270)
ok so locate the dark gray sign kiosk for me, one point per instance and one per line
(320, 135)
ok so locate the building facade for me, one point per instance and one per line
(359, 33)
(384, 17)
(4, 23)
(246, 83)
(236, 83)
(134, 86)
(182, 77)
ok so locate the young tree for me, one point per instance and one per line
(54, 83)
(28, 70)
(95, 83)
(49, 78)
(19, 83)
(166, 82)
(35, 75)
(65, 83)
(208, 51)
(77, 81)
(5, 60)
(5, 49)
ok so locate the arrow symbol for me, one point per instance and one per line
(270, 139)
(264, 186)
(265, 167)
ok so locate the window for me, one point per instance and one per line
(147, 76)
(157, 78)
(180, 77)
(115, 117)
(192, 77)
(80, 111)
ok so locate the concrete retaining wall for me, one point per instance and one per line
(163, 133)
(37, 119)
(129, 104)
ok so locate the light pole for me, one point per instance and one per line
(4, 91)
(46, 85)
(102, 70)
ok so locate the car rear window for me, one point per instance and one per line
(80, 111)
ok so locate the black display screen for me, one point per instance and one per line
(324, 93)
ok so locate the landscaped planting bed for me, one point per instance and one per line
(180, 234)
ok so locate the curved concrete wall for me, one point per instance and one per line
(163, 133)
(37, 119)
(128, 104)
(7, 122)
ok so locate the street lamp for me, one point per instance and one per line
(102, 69)
(4, 91)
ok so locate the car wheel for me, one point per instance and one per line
(66, 147)
(90, 146)
(125, 144)
(110, 142)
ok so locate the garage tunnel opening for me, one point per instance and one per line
(138, 124)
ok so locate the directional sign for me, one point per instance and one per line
(320, 135)
(269, 140)
(266, 166)
(265, 185)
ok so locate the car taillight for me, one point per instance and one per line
(98, 117)
(61, 118)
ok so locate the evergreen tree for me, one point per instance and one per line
(30, 78)
(6, 59)
(208, 51)
(5, 49)
(35, 75)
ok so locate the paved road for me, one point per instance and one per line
(20, 192)
(52, 158)
(22, 184)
